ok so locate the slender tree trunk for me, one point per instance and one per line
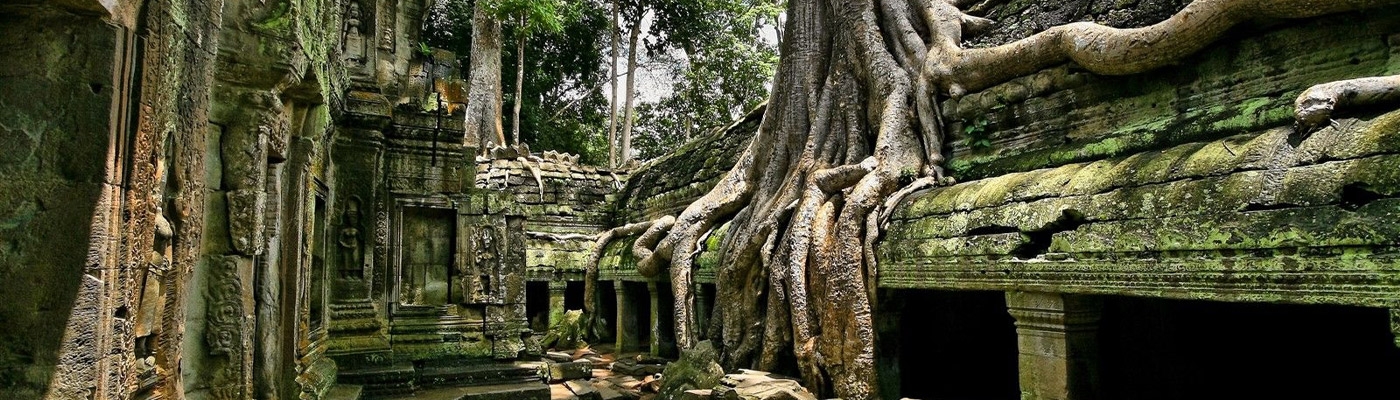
(631, 89)
(519, 76)
(612, 87)
(483, 115)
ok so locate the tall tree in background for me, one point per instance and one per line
(529, 16)
(483, 117)
(560, 87)
(615, 31)
(633, 12)
(563, 106)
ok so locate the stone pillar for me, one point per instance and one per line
(1057, 339)
(556, 300)
(655, 318)
(626, 319)
(702, 309)
(1395, 325)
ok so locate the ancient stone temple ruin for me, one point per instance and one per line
(267, 199)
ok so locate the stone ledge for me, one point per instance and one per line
(1372, 281)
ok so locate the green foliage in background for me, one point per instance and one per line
(720, 64)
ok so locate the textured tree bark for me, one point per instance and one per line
(1316, 105)
(590, 279)
(630, 107)
(1111, 51)
(519, 79)
(483, 119)
(612, 87)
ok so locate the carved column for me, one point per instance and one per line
(626, 319)
(556, 300)
(1057, 339)
(655, 318)
(702, 308)
(256, 136)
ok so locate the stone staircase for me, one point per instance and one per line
(385, 374)
(356, 327)
(407, 380)
(422, 324)
(344, 392)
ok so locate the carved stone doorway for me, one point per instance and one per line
(427, 246)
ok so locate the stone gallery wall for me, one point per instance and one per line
(565, 204)
(1125, 178)
(174, 224)
(103, 192)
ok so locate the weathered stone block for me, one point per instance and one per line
(697, 394)
(633, 368)
(582, 389)
(758, 385)
(558, 357)
(696, 369)
(559, 372)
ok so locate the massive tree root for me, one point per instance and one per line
(1110, 51)
(852, 118)
(1316, 105)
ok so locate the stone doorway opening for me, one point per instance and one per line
(1178, 349)
(953, 345)
(633, 317)
(665, 329)
(607, 311)
(428, 246)
(537, 305)
(573, 295)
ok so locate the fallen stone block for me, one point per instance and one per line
(606, 392)
(582, 389)
(558, 357)
(759, 385)
(567, 371)
(697, 394)
(632, 368)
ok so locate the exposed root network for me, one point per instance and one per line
(853, 118)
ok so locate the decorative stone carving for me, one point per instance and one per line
(150, 307)
(225, 330)
(381, 243)
(354, 44)
(246, 149)
(350, 242)
(484, 272)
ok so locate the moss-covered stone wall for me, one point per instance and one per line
(1185, 182)
(666, 185)
(565, 204)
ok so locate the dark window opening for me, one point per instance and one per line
(1173, 349)
(956, 346)
(537, 305)
(573, 295)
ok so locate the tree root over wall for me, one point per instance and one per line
(851, 120)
